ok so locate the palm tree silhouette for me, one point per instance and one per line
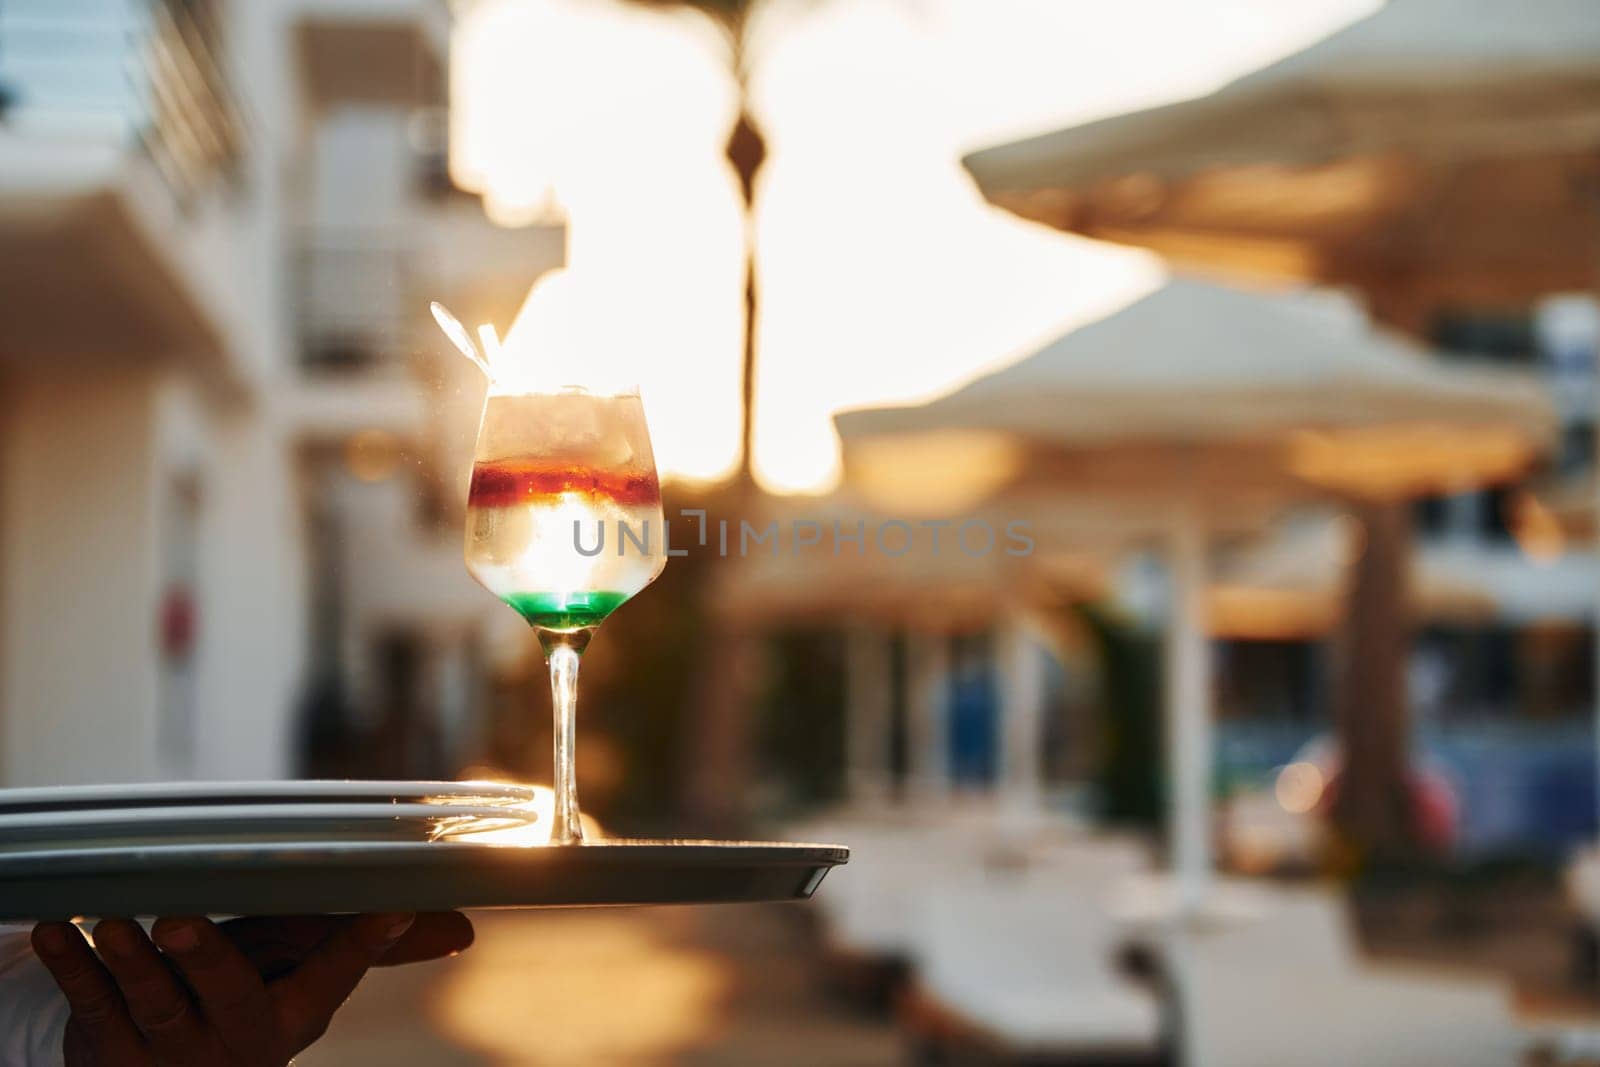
(746, 151)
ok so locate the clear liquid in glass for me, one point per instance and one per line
(564, 518)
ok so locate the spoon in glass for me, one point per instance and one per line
(459, 336)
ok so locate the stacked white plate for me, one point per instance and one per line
(151, 814)
(286, 848)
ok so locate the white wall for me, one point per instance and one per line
(79, 572)
(254, 612)
(262, 67)
(87, 468)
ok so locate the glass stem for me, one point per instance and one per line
(563, 657)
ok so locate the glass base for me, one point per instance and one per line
(565, 829)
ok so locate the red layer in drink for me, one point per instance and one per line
(507, 483)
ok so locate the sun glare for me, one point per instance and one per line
(884, 277)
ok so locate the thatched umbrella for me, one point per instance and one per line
(890, 577)
(928, 590)
(1287, 587)
(1435, 153)
(1201, 400)
(1438, 153)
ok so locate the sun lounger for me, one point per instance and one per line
(1291, 988)
(1030, 970)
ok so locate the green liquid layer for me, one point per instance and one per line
(565, 612)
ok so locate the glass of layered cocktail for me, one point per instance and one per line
(564, 524)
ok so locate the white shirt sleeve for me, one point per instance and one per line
(33, 1013)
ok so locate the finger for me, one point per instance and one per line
(159, 1005)
(434, 934)
(100, 1019)
(77, 1050)
(306, 1000)
(276, 945)
(232, 996)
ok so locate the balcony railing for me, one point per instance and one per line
(146, 71)
(353, 290)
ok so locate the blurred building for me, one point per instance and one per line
(228, 457)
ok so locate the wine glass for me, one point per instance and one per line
(564, 524)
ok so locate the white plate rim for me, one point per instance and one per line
(127, 794)
(229, 815)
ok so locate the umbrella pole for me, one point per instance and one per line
(1188, 707)
(1022, 694)
(868, 677)
(929, 714)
